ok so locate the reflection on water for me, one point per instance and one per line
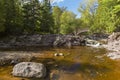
(78, 63)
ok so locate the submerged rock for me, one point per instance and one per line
(114, 55)
(55, 75)
(29, 70)
(58, 54)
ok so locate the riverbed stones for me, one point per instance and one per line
(29, 70)
(58, 54)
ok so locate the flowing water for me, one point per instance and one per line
(78, 63)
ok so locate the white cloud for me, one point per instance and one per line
(40, 0)
(57, 1)
(54, 1)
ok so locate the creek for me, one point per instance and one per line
(76, 63)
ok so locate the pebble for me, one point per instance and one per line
(58, 54)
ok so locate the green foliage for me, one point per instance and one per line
(77, 26)
(113, 14)
(67, 19)
(46, 19)
(88, 10)
(2, 27)
(31, 14)
(57, 12)
(101, 19)
(10, 16)
(116, 14)
(26, 17)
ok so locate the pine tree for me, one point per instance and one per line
(2, 27)
(46, 19)
(11, 16)
(31, 16)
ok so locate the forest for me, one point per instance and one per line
(35, 17)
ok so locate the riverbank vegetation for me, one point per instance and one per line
(35, 17)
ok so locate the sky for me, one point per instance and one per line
(72, 5)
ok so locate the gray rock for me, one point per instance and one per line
(29, 70)
(68, 41)
(8, 58)
(114, 42)
(114, 55)
(113, 45)
(98, 36)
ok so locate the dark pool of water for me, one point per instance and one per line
(78, 63)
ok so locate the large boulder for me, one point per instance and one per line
(69, 40)
(29, 70)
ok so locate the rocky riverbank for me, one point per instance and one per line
(113, 45)
(30, 42)
(41, 41)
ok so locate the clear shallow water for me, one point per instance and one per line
(78, 63)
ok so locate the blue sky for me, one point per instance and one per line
(72, 5)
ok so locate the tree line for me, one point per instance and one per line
(101, 16)
(33, 16)
(25, 16)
